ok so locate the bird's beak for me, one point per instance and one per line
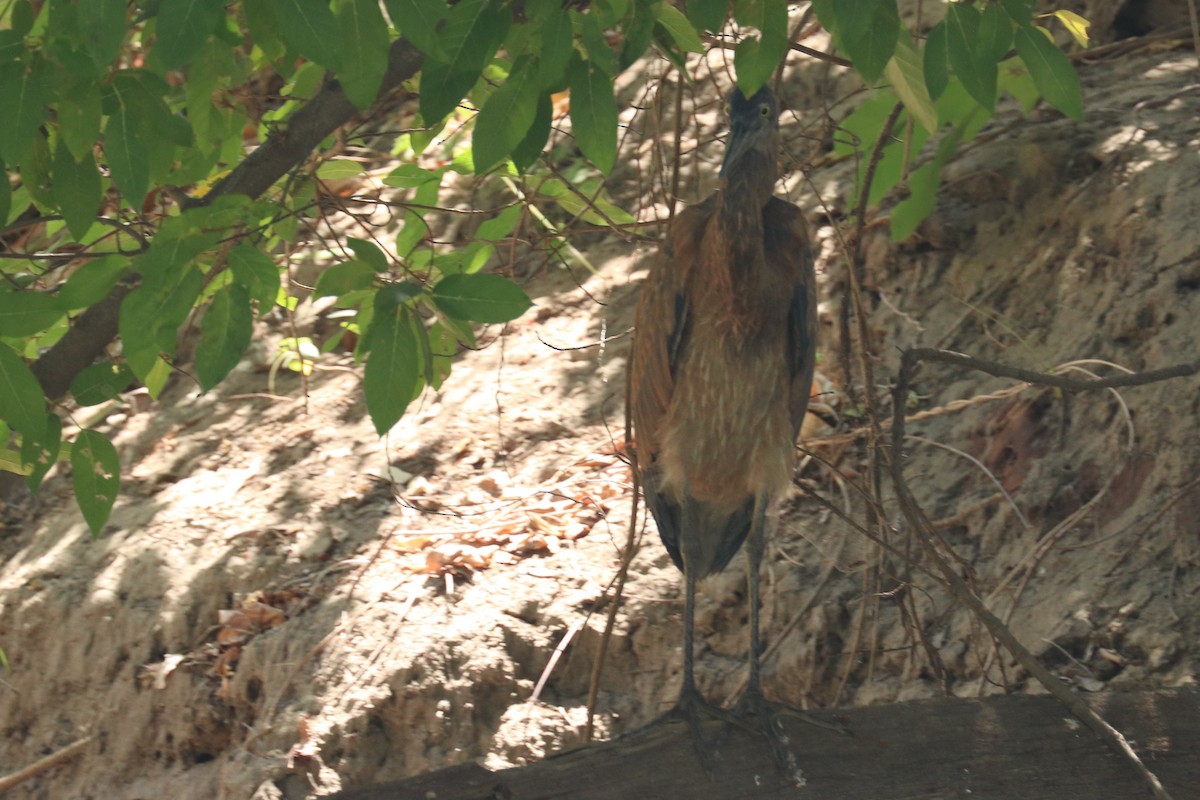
(744, 146)
(739, 144)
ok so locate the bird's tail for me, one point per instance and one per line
(712, 534)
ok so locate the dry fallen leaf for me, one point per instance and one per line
(155, 675)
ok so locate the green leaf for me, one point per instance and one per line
(937, 61)
(426, 195)
(925, 181)
(956, 107)
(441, 357)
(397, 294)
(558, 42)
(995, 32)
(10, 460)
(639, 31)
(96, 473)
(150, 318)
(868, 34)
(594, 114)
(35, 171)
(22, 404)
(756, 58)
(500, 226)
(364, 40)
(5, 195)
(469, 40)
(100, 383)
(144, 94)
(972, 64)
(102, 24)
(12, 45)
(1017, 81)
(369, 253)
(411, 234)
(346, 277)
(1021, 11)
(506, 116)
(22, 96)
(224, 335)
(707, 15)
(907, 77)
(337, 169)
(22, 17)
(922, 199)
(127, 157)
(753, 67)
(38, 453)
(91, 282)
(77, 190)
(682, 31)
(860, 132)
(392, 372)
(204, 226)
(1051, 70)
(407, 176)
(79, 119)
(183, 28)
(208, 122)
(525, 154)
(25, 313)
(599, 211)
(173, 251)
(307, 27)
(480, 298)
(610, 11)
(263, 26)
(861, 129)
(594, 42)
(257, 272)
(750, 12)
(475, 257)
(417, 21)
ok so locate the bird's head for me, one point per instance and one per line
(753, 139)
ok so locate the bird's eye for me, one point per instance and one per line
(764, 110)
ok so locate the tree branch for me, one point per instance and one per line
(988, 748)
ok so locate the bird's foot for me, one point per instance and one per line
(692, 709)
(756, 714)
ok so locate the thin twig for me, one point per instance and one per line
(920, 524)
(553, 662)
(627, 556)
(13, 779)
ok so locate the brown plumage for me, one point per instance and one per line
(722, 367)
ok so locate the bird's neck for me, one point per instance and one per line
(743, 277)
(739, 217)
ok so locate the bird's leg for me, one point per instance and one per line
(752, 703)
(755, 548)
(691, 703)
(689, 638)
(691, 706)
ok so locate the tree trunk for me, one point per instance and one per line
(1016, 747)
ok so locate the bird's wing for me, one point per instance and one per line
(788, 248)
(663, 317)
(663, 327)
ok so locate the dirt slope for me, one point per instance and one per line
(257, 618)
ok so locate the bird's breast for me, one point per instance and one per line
(729, 435)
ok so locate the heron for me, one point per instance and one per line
(722, 370)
